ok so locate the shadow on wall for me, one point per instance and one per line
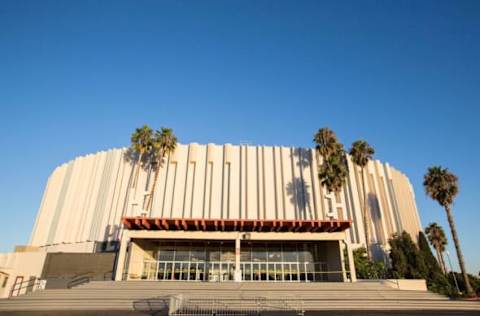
(304, 157)
(298, 189)
(148, 160)
(299, 195)
(375, 213)
(376, 217)
(131, 157)
(112, 232)
(110, 239)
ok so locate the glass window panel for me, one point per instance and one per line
(225, 272)
(227, 253)
(260, 261)
(290, 252)
(294, 271)
(263, 272)
(259, 253)
(247, 271)
(271, 272)
(176, 271)
(286, 270)
(213, 252)
(197, 254)
(279, 272)
(201, 272)
(166, 253)
(214, 272)
(310, 270)
(168, 271)
(146, 268)
(256, 271)
(302, 271)
(305, 252)
(192, 272)
(185, 271)
(245, 252)
(275, 252)
(182, 253)
(161, 270)
(316, 251)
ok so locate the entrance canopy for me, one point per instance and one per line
(193, 224)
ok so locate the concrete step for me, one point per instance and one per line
(234, 284)
(346, 305)
(43, 294)
(233, 296)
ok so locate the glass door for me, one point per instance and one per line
(185, 271)
(168, 271)
(161, 270)
(278, 272)
(213, 272)
(200, 272)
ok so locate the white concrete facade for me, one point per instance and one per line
(85, 198)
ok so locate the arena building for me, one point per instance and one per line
(221, 213)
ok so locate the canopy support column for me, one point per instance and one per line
(122, 253)
(238, 272)
(351, 262)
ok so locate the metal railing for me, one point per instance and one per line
(86, 277)
(251, 271)
(181, 306)
(27, 286)
(79, 279)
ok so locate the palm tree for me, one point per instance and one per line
(141, 143)
(438, 240)
(442, 186)
(327, 142)
(164, 143)
(333, 171)
(361, 153)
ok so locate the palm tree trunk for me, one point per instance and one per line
(439, 259)
(152, 190)
(461, 261)
(443, 263)
(365, 216)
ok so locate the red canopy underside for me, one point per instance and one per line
(193, 224)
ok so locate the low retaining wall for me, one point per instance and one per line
(63, 270)
(407, 284)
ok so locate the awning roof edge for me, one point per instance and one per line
(247, 225)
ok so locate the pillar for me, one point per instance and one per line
(342, 260)
(351, 262)
(238, 272)
(122, 252)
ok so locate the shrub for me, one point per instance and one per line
(367, 269)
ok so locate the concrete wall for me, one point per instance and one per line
(140, 250)
(409, 285)
(20, 264)
(99, 266)
(85, 198)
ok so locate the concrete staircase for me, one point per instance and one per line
(145, 296)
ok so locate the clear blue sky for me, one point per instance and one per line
(77, 77)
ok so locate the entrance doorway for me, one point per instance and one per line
(260, 261)
(211, 261)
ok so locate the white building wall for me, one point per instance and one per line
(85, 198)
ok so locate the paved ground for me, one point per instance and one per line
(319, 313)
